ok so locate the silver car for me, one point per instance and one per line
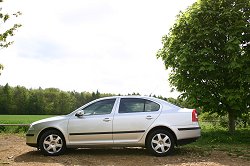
(123, 121)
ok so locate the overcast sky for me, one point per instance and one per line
(89, 45)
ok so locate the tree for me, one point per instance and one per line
(6, 99)
(20, 100)
(208, 52)
(7, 32)
(36, 103)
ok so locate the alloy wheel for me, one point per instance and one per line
(53, 143)
(161, 143)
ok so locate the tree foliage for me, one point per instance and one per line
(6, 32)
(208, 52)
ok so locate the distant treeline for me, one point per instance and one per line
(51, 101)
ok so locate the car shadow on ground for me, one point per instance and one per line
(117, 156)
(128, 156)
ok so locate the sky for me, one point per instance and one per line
(90, 45)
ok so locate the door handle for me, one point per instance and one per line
(149, 117)
(106, 119)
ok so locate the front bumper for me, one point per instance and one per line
(32, 145)
(31, 139)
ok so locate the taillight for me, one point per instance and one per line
(194, 116)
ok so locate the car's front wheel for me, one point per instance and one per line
(160, 143)
(52, 143)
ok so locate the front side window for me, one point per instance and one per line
(100, 107)
(132, 105)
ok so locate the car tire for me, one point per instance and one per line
(160, 143)
(52, 143)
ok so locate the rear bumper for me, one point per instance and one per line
(189, 128)
(187, 133)
(186, 141)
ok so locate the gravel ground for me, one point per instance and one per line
(14, 151)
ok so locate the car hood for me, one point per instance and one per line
(56, 118)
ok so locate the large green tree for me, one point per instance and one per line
(5, 32)
(208, 52)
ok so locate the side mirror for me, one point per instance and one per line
(79, 113)
(82, 113)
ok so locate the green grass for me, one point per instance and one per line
(218, 138)
(18, 119)
(21, 119)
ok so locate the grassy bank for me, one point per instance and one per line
(218, 138)
(18, 119)
(21, 119)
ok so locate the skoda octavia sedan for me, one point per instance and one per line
(123, 121)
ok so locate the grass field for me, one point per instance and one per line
(21, 119)
(18, 119)
(235, 145)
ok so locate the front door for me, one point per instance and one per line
(95, 126)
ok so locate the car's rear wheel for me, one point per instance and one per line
(52, 143)
(160, 143)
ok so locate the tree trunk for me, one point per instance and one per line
(244, 124)
(231, 121)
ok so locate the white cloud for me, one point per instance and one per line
(87, 45)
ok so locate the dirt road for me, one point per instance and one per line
(14, 151)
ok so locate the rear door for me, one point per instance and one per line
(133, 118)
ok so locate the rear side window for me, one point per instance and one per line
(132, 105)
(151, 106)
